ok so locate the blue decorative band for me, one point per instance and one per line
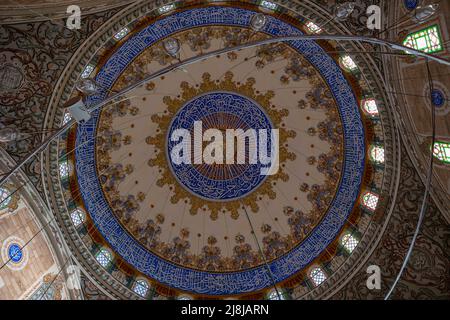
(233, 282)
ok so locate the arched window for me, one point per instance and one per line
(274, 295)
(311, 27)
(441, 151)
(347, 63)
(141, 287)
(427, 40)
(369, 106)
(377, 154)
(317, 276)
(103, 257)
(370, 200)
(349, 242)
(4, 198)
(64, 169)
(78, 217)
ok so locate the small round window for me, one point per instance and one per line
(15, 253)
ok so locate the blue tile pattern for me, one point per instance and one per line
(234, 282)
(15, 253)
(216, 109)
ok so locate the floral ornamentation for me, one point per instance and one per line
(243, 255)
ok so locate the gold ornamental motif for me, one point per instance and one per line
(189, 92)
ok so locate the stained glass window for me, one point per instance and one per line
(78, 217)
(377, 154)
(103, 257)
(318, 276)
(15, 253)
(87, 71)
(370, 200)
(369, 106)
(64, 169)
(268, 5)
(4, 199)
(274, 295)
(349, 242)
(313, 28)
(141, 287)
(165, 9)
(348, 63)
(441, 151)
(122, 33)
(427, 40)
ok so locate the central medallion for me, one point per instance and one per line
(237, 120)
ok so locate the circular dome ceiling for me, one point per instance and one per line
(220, 229)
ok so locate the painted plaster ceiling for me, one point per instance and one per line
(222, 230)
(352, 167)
